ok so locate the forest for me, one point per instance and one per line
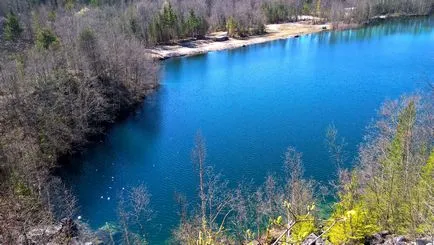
(71, 68)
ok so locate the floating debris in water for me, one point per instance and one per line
(108, 198)
(102, 197)
(79, 217)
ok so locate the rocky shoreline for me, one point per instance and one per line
(77, 233)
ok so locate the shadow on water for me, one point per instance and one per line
(147, 118)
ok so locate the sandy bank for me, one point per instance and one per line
(274, 32)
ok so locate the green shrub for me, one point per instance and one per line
(275, 12)
(45, 38)
(95, 3)
(12, 27)
(350, 226)
(303, 229)
(350, 221)
(164, 27)
(195, 26)
(51, 16)
(21, 189)
(231, 26)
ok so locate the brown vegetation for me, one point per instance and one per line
(163, 21)
(75, 75)
(68, 68)
(244, 214)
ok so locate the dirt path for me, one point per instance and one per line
(274, 32)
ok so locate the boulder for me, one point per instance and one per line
(400, 240)
(375, 239)
(313, 239)
(423, 241)
(381, 237)
(49, 234)
(43, 233)
(384, 233)
(220, 38)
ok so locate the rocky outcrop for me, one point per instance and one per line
(66, 231)
(41, 234)
(380, 238)
(386, 238)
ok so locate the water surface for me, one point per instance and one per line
(251, 104)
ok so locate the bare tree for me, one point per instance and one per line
(135, 213)
(199, 156)
(336, 148)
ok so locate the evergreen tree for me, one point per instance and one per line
(12, 27)
(193, 24)
(45, 38)
(231, 27)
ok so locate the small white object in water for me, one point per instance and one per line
(79, 217)
(153, 165)
(102, 197)
(110, 187)
(108, 198)
(123, 188)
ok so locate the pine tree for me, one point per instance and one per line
(45, 38)
(12, 27)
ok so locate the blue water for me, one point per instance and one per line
(251, 104)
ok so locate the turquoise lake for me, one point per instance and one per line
(250, 104)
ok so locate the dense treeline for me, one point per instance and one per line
(164, 21)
